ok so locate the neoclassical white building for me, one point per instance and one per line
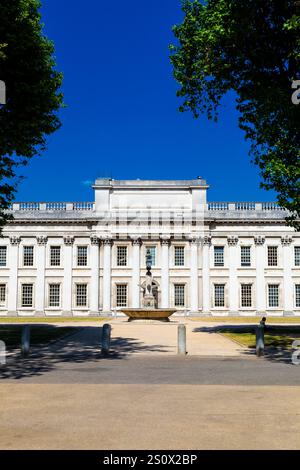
(211, 258)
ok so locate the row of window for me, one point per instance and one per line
(81, 295)
(122, 256)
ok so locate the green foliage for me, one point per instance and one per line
(253, 48)
(33, 86)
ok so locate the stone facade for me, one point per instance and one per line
(212, 258)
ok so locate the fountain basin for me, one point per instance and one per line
(160, 314)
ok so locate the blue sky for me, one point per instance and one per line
(122, 117)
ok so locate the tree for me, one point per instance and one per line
(33, 86)
(253, 48)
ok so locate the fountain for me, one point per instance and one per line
(149, 311)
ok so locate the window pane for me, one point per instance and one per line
(55, 256)
(179, 256)
(245, 256)
(122, 256)
(272, 256)
(27, 295)
(246, 295)
(297, 255)
(28, 256)
(2, 295)
(219, 295)
(219, 255)
(179, 295)
(81, 295)
(297, 295)
(151, 253)
(121, 295)
(273, 295)
(54, 295)
(82, 256)
(3, 251)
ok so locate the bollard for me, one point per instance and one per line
(2, 353)
(105, 342)
(25, 344)
(260, 340)
(182, 340)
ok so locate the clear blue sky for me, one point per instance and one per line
(122, 117)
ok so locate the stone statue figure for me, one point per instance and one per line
(149, 299)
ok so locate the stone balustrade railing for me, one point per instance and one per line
(90, 206)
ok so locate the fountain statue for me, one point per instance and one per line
(149, 311)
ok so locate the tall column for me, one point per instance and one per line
(68, 264)
(136, 248)
(12, 301)
(107, 275)
(260, 275)
(206, 244)
(288, 295)
(165, 296)
(40, 263)
(194, 282)
(233, 280)
(95, 278)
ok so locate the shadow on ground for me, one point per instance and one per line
(84, 345)
(273, 354)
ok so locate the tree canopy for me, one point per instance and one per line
(253, 48)
(27, 66)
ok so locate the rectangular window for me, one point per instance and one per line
(297, 255)
(246, 295)
(245, 256)
(272, 256)
(55, 255)
(2, 295)
(297, 295)
(151, 254)
(219, 295)
(28, 256)
(121, 255)
(121, 295)
(81, 295)
(54, 295)
(273, 295)
(3, 255)
(27, 295)
(219, 256)
(179, 295)
(179, 256)
(82, 256)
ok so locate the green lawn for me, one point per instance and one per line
(50, 319)
(279, 339)
(256, 320)
(11, 334)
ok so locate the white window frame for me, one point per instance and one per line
(297, 256)
(118, 303)
(3, 303)
(246, 259)
(215, 285)
(59, 248)
(77, 306)
(246, 284)
(24, 256)
(219, 263)
(297, 295)
(273, 284)
(57, 284)
(151, 247)
(121, 258)
(179, 259)
(182, 286)
(84, 258)
(23, 284)
(272, 256)
(3, 249)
